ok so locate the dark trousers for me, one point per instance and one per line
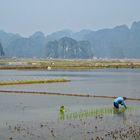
(116, 105)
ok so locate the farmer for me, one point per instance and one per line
(62, 109)
(121, 101)
(62, 114)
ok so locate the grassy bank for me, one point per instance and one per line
(63, 64)
(33, 81)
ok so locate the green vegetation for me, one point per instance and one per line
(96, 112)
(33, 81)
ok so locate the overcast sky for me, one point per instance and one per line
(28, 16)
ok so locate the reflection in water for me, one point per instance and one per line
(120, 113)
(61, 116)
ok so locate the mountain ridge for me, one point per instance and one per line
(117, 42)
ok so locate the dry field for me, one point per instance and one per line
(72, 64)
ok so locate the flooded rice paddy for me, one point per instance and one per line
(37, 117)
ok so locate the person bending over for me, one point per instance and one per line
(119, 101)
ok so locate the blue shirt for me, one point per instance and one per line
(120, 100)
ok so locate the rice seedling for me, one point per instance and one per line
(39, 81)
(95, 112)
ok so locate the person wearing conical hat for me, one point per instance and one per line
(62, 109)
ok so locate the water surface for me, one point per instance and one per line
(30, 108)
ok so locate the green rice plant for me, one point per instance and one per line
(33, 81)
(95, 112)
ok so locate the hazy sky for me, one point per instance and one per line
(27, 16)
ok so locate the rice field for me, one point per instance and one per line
(38, 117)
